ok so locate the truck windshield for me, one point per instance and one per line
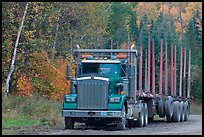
(110, 70)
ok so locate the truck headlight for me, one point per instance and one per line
(115, 100)
(70, 99)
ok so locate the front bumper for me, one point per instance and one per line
(92, 113)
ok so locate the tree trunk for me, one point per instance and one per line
(56, 32)
(14, 53)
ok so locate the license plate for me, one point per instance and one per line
(103, 113)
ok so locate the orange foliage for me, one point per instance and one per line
(174, 11)
(59, 83)
(46, 77)
(24, 86)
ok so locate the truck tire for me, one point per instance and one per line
(140, 120)
(161, 108)
(186, 111)
(69, 123)
(182, 111)
(121, 122)
(176, 111)
(168, 105)
(145, 114)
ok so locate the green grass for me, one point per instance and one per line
(19, 122)
(18, 111)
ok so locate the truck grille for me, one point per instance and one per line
(92, 94)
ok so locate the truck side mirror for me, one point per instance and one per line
(68, 73)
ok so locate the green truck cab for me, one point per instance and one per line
(96, 93)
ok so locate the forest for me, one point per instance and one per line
(51, 31)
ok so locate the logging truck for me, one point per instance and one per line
(109, 87)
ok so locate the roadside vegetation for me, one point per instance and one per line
(196, 107)
(18, 111)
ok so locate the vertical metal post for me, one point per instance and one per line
(148, 82)
(189, 74)
(184, 74)
(128, 47)
(181, 68)
(172, 70)
(145, 89)
(175, 70)
(166, 70)
(160, 74)
(140, 72)
(153, 69)
(135, 61)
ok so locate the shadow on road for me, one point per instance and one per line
(111, 127)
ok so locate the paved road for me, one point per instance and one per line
(160, 127)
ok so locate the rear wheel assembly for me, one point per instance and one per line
(176, 111)
(168, 104)
(186, 111)
(161, 108)
(182, 111)
(140, 120)
(145, 114)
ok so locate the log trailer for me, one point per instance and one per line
(107, 88)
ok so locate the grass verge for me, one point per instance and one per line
(18, 111)
(196, 107)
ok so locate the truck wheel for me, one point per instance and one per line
(161, 108)
(145, 114)
(140, 120)
(186, 111)
(182, 111)
(69, 123)
(176, 111)
(168, 105)
(122, 121)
